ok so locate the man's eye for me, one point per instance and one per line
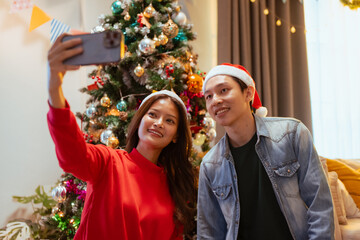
(208, 97)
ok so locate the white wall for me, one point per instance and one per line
(27, 156)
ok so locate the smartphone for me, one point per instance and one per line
(99, 48)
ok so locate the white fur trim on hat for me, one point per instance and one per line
(166, 92)
(231, 71)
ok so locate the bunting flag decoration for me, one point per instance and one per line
(38, 18)
(18, 5)
(57, 28)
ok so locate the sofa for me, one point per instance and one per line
(344, 181)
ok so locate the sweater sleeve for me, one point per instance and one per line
(75, 156)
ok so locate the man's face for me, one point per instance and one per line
(225, 101)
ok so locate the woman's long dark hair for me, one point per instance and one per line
(175, 160)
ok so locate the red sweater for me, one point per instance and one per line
(127, 195)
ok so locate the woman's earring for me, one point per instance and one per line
(174, 140)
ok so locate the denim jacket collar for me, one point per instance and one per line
(262, 129)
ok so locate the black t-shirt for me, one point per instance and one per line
(260, 214)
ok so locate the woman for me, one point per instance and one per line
(145, 192)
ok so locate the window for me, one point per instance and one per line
(333, 46)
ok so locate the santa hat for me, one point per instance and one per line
(165, 92)
(241, 73)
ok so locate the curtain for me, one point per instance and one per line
(333, 37)
(275, 57)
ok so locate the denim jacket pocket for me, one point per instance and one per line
(288, 180)
(222, 192)
(288, 170)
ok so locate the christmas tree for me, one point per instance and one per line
(158, 56)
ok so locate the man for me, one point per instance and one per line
(263, 179)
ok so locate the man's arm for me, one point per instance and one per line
(313, 186)
(211, 223)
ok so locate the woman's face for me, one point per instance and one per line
(159, 125)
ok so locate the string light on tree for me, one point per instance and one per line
(266, 11)
(55, 210)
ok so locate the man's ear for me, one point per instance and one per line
(250, 91)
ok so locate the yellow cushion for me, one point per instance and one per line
(349, 176)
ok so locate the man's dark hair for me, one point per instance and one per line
(243, 86)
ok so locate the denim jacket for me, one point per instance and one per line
(286, 150)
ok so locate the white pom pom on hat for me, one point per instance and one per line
(241, 73)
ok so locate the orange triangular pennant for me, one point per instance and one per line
(38, 18)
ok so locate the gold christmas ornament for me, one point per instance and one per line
(127, 16)
(163, 39)
(112, 142)
(156, 41)
(139, 70)
(105, 101)
(149, 11)
(194, 83)
(170, 29)
(177, 8)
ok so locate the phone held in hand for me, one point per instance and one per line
(98, 48)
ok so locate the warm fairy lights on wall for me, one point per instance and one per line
(279, 22)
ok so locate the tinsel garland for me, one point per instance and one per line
(352, 4)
